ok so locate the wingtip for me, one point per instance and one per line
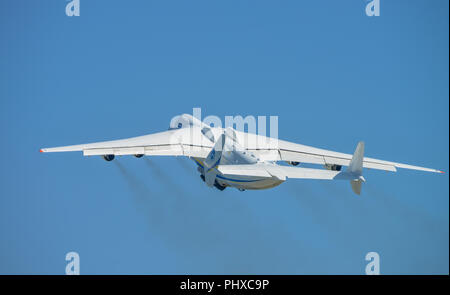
(443, 172)
(41, 151)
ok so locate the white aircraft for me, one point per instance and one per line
(230, 158)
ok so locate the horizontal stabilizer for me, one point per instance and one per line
(282, 172)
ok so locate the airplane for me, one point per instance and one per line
(226, 157)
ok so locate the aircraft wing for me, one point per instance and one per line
(179, 142)
(271, 149)
(301, 153)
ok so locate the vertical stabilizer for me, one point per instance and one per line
(212, 160)
(355, 168)
(356, 186)
(356, 163)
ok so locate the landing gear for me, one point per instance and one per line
(216, 184)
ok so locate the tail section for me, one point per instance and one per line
(212, 160)
(355, 168)
(356, 186)
(356, 164)
(215, 154)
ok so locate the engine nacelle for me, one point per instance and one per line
(108, 157)
(293, 163)
(333, 167)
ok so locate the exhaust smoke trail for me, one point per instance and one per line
(183, 163)
(164, 178)
(142, 195)
(402, 211)
(190, 222)
(221, 223)
(138, 187)
(339, 215)
(318, 205)
(205, 225)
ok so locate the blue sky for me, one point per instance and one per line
(124, 68)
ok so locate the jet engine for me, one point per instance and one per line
(333, 167)
(108, 157)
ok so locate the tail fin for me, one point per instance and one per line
(356, 163)
(212, 160)
(355, 168)
(215, 154)
(356, 186)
